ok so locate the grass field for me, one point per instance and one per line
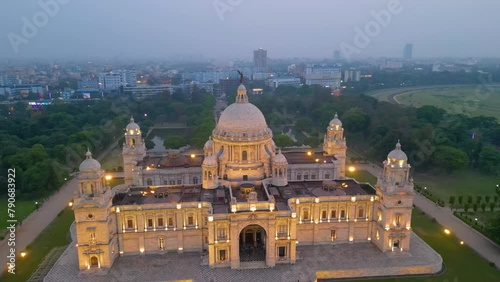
(464, 183)
(23, 208)
(469, 100)
(55, 235)
(362, 176)
(112, 160)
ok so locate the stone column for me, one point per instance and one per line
(235, 250)
(271, 245)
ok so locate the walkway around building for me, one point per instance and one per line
(477, 241)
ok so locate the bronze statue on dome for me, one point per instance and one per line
(241, 76)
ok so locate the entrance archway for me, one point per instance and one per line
(253, 243)
(94, 262)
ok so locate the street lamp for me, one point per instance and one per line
(70, 204)
(23, 254)
(352, 169)
(447, 232)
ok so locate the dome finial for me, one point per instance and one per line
(336, 116)
(131, 119)
(88, 155)
(279, 151)
(398, 145)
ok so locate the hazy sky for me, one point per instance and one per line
(286, 28)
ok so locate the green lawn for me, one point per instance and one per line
(464, 183)
(112, 160)
(23, 208)
(462, 263)
(55, 235)
(362, 176)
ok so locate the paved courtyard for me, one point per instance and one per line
(187, 266)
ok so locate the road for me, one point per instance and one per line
(477, 241)
(38, 220)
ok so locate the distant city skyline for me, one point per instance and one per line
(225, 29)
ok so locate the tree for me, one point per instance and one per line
(452, 200)
(466, 207)
(469, 199)
(493, 227)
(460, 199)
(492, 206)
(487, 198)
(449, 158)
(355, 120)
(479, 198)
(174, 142)
(283, 140)
(431, 114)
(313, 141)
(474, 207)
(489, 160)
(483, 207)
(495, 198)
(303, 124)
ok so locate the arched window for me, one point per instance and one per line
(195, 180)
(361, 212)
(244, 155)
(149, 182)
(132, 142)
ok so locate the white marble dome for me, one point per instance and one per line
(335, 121)
(210, 161)
(280, 159)
(89, 164)
(242, 119)
(397, 154)
(132, 125)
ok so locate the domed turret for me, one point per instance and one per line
(280, 159)
(208, 147)
(397, 155)
(335, 121)
(89, 165)
(132, 125)
(210, 161)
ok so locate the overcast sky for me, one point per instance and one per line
(233, 28)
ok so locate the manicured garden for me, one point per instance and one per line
(22, 208)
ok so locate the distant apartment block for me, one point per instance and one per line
(408, 51)
(352, 75)
(115, 79)
(276, 82)
(9, 80)
(88, 83)
(323, 75)
(391, 65)
(260, 59)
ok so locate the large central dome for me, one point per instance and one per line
(242, 119)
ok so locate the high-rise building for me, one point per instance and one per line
(115, 79)
(408, 51)
(336, 55)
(260, 58)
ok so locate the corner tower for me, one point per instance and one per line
(334, 143)
(393, 211)
(134, 150)
(95, 225)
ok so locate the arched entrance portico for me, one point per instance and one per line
(252, 243)
(94, 262)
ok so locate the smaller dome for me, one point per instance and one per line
(210, 161)
(397, 154)
(335, 121)
(280, 158)
(89, 164)
(209, 144)
(242, 87)
(132, 125)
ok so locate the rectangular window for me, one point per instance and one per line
(179, 181)
(221, 234)
(170, 221)
(306, 176)
(313, 176)
(379, 215)
(282, 231)
(305, 215)
(222, 255)
(398, 220)
(190, 220)
(327, 176)
(150, 223)
(323, 215)
(299, 177)
(342, 213)
(333, 235)
(282, 252)
(361, 212)
(130, 223)
(160, 222)
(161, 243)
(333, 214)
(245, 177)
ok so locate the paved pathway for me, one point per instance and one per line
(477, 241)
(36, 222)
